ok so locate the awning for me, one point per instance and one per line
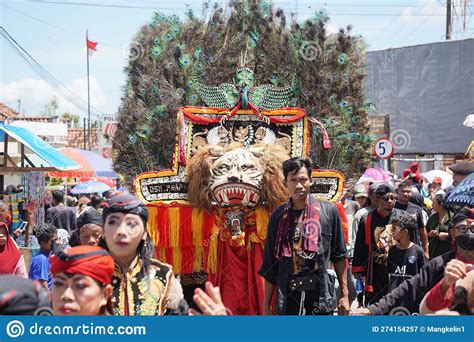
(46, 157)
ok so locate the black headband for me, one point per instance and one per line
(463, 214)
(126, 204)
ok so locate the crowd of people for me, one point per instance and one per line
(404, 237)
(96, 257)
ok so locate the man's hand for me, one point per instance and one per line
(432, 233)
(361, 312)
(343, 306)
(209, 302)
(455, 270)
(443, 236)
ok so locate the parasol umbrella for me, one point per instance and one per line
(90, 187)
(375, 175)
(446, 178)
(92, 164)
(107, 181)
(123, 190)
(463, 194)
(469, 122)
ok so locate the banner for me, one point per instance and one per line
(237, 328)
(107, 131)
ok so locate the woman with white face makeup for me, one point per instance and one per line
(141, 284)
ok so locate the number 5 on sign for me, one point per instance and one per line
(384, 148)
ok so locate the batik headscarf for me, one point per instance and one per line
(91, 261)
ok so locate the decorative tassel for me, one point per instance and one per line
(169, 257)
(160, 254)
(198, 259)
(261, 220)
(212, 252)
(174, 227)
(176, 260)
(185, 227)
(345, 225)
(207, 230)
(187, 260)
(326, 141)
(152, 224)
(162, 222)
(197, 221)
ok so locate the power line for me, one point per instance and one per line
(160, 7)
(47, 89)
(96, 4)
(382, 32)
(159, 4)
(46, 76)
(34, 18)
(102, 42)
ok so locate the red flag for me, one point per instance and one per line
(91, 46)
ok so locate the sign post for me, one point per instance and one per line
(108, 128)
(384, 149)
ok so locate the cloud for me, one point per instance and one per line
(424, 8)
(35, 94)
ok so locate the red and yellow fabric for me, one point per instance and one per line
(188, 238)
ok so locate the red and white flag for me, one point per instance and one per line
(91, 46)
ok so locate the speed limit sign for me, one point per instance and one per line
(384, 148)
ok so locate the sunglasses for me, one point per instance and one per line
(465, 227)
(389, 198)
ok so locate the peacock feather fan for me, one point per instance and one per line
(172, 61)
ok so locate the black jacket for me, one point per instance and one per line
(410, 293)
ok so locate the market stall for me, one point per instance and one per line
(24, 153)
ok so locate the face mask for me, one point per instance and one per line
(466, 241)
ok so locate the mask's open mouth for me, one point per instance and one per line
(237, 194)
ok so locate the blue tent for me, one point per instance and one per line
(45, 156)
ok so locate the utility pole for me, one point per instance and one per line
(448, 19)
(84, 131)
(88, 95)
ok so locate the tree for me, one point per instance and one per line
(51, 107)
(69, 116)
(168, 53)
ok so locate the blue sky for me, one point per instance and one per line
(54, 34)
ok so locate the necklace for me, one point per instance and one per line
(305, 255)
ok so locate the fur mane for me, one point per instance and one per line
(273, 189)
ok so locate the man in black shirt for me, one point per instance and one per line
(405, 259)
(370, 251)
(405, 191)
(303, 237)
(411, 292)
(60, 215)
